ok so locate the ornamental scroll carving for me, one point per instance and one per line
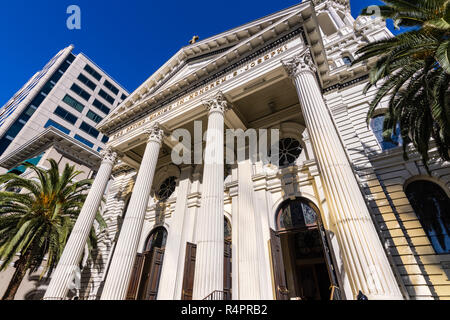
(300, 63)
(109, 155)
(218, 103)
(155, 133)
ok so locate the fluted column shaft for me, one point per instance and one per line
(121, 267)
(210, 221)
(364, 258)
(73, 251)
(248, 255)
(336, 18)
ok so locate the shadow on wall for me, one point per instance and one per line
(40, 287)
(381, 225)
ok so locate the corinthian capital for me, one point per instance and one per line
(218, 103)
(299, 63)
(155, 133)
(109, 155)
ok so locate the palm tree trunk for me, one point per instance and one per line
(16, 280)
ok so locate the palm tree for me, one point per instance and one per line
(413, 70)
(36, 222)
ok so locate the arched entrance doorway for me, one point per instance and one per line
(147, 269)
(303, 267)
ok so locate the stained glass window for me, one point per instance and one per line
(157, 239)
(296, 214)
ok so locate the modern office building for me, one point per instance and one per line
(340, 213)
(71, 93)
(54, 117)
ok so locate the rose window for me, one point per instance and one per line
(167, 188)
(290, 150)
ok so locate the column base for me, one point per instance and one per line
(383, 297)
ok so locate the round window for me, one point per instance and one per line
(290, 150)
(166, 189)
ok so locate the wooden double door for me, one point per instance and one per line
(146, 274)
(189, 271)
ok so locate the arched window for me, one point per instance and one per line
(166, 189)
(299, 213)
(432, 206)
(289, 151)
(156, 239)
(376, 125)
(347, 60)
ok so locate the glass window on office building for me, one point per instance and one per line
(51, 123)
(83, 79)
(101, 106)
(111, 87)
(80, 91)
(106, 96)
(84, 141)
(90, 130)
(94, 117)
(66, 115)
(73, 103)
(92, 72)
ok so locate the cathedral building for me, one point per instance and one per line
(336, 214)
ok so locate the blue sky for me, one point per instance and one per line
(128, 39)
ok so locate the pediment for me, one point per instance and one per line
(204, 58)
(188, 68)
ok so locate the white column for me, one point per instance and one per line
(248, 258)
(364, 258)
(335, 16)
(70, 258)
(120, 271)
(234, 194)
(263, 235)
(210, 229)
(170, 285)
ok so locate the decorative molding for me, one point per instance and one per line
(345, 84)
(301, 62)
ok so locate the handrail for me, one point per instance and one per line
(215, 295)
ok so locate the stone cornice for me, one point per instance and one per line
(339, 86)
